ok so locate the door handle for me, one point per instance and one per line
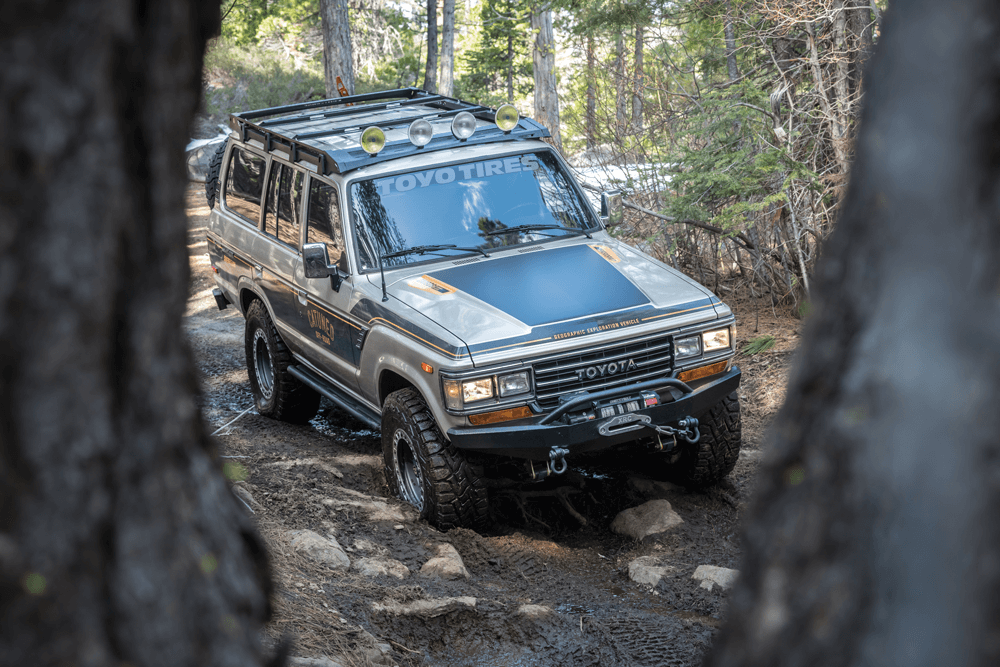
(302, 297)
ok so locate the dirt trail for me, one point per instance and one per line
(327, 477)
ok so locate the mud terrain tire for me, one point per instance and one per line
(212, 176)
(716, 452)
(276, 393)
(424, 470)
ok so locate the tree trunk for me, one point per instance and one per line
(621, 102)
(337, 51)
(120, 542)
(431, 71)
(510, 66)
(591, 120)
(873, 537)
(447, 48)
(730, 31)
(637, 83)
(544, 61)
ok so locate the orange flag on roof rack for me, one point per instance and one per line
(342, 89)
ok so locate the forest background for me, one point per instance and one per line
(728, 123)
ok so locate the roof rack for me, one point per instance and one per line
(326, 133)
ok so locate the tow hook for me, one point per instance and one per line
(557, 455)
(556, 465)
(687, 429)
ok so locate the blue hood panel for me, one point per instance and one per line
(548, 286)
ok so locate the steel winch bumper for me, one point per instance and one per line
(536, 438)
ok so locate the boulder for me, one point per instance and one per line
(648, 570)
(384, 567)
(425, 608)
(447, 564)
(534, 611)
(711, 576)
(325, 550)
(647, 519)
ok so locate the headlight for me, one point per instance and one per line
(516, 383)
(716, 340)
(453, 394)
(477, 390)
(687, 347)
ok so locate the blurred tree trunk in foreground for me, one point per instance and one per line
(873, 539)
(119, 540)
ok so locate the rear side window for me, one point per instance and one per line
(245, 184)
(282, 219)
(324, 222)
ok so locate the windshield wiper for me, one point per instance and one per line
(536, 228)
(418, 250)
(423, 249)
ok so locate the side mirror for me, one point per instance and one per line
(316, 264)
(612, 208)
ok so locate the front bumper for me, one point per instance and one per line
(532, 439)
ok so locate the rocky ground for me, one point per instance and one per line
(361, 581)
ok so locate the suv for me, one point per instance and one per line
(432, 267)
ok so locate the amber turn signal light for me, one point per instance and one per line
(427, 368)
(704, 371)
(500, 416)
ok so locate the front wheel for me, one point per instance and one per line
(276, 392)
(425, 470)
(716, 452)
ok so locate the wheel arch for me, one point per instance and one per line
(390, 381)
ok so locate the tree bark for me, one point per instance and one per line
(337, 50)
(873, 537)
(447, 48)
(544, 61)
(730, 32)
(120, 542)
(430, 72)
(591, 119)
(621, 103)
(637, 83)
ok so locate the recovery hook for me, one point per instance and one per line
(557, 455)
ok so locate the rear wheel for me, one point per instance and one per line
(276, 392)
(714, 455)
(425, 470)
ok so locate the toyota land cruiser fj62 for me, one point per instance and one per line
(432, 267)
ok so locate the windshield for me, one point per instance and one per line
(466, 205)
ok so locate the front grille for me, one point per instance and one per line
(636, 361)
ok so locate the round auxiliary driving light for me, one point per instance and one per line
(463, 126)
(420, 133)
(373, 140)
(507, 117)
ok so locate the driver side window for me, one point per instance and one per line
(323, 222)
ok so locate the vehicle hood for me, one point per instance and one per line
(548, 292)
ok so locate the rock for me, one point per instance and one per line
(425, 608)
(647, 570)
(321, 549)
(650, 518)
(447, 564)
(651, 488)
(534, 611)
(380, 567)
(711, 576)
(321, 661)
